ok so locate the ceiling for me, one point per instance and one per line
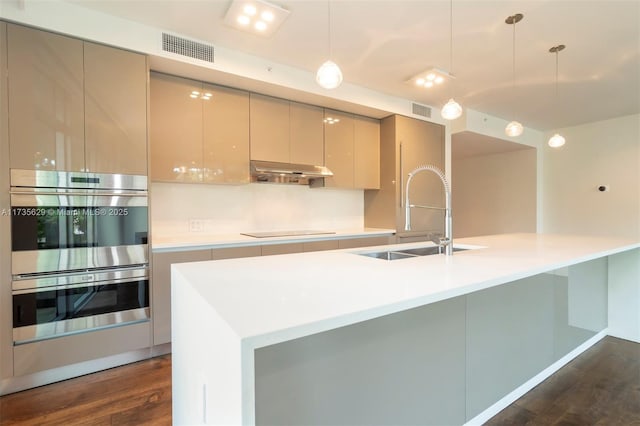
(379, 44)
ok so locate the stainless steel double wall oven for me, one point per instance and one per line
(79, 252)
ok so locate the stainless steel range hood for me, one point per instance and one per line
(301, 174)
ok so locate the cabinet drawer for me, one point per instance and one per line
(363, 242)
(48, 354)
(288, 248)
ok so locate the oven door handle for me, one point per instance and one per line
(84, 194)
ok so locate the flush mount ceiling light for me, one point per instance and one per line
(451, 110)
(329, 74)
(556, 141)
(431, 77)
(514, 128)
(255, 16)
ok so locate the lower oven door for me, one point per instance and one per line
(59, 305)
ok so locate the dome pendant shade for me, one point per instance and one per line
(556, 141)
(329, 75)
(451, 110)
(513, 129)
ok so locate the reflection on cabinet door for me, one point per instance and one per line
(176, 129)
(338, 148)
(46, 120)
(269, 128)
(226, 135)
(306, 134)
(115, 110)
(366, 147)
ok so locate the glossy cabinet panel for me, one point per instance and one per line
(175, 129)
(306, 134)
(366, 146)
(269, 128)
(161, 289)
(46, 119)
(115, 110)
(226, 135)
(6, 339)
(338, 148)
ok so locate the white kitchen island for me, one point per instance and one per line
(338, 338)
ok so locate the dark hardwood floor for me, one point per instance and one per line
(600, 387)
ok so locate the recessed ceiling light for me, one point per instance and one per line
(255, 16)
(430, 77)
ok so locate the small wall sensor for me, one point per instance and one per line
(603, 188)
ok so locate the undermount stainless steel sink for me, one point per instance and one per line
(408, 253)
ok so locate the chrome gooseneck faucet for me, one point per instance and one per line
(447, 241)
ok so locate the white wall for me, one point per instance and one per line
(494, 194)
(604, 152)
(256, 207)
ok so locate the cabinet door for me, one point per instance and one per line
(226, 135)
(306, 134)
(366, 147)
(269, 129)
(115, 110)
(176, 129)
(338, 148)
(161, 289)
(46, 118)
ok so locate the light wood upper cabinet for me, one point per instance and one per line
(74, 105)
(269, 128)
(115, 97)
(226, 135)
(46, 113)
(175, 129)
(286, 132)
(306, 134)
(366, 149)
(199, 132)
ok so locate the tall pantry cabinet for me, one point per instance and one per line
(75, 105)
(406, 143)
(6, 311)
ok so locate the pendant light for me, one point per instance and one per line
(556, 141)
(514, 128)
(451, 110)
(329, 75)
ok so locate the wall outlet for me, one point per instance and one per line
(196, 225)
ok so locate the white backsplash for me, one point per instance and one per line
(220, 209)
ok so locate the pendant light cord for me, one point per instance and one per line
(514, 56)
(329, 29)
(451, 45)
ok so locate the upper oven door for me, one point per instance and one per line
(74, 230)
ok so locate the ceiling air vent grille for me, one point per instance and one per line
(186, 47)
(421, 110)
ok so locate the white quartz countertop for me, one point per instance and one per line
(199, 241)
(267, 300)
